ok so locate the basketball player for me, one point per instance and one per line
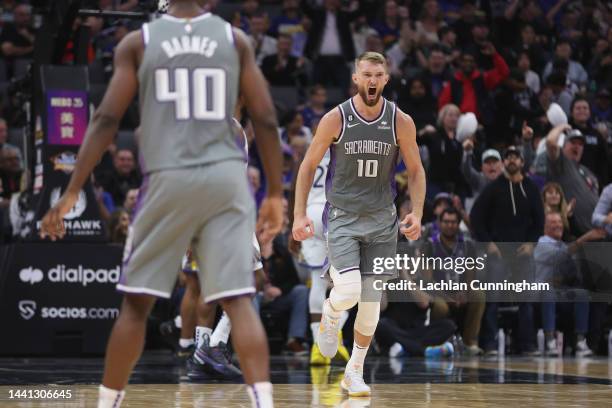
(364, 135)
(187, 67)
(314, 251)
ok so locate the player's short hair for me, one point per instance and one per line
(373, 57)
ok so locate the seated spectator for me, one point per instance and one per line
(469, 306)
(263, 44)
(242, 17)
(554, 201)
(448, 45)
(562, 165)
(281, 68)
(283, 293)
(528, 44)
(554, 265)
(602, 215)
(469, 87)
(415, 97)
(405, 329)
(600, 69)
(575, 71)
(315, 107)
(123, 177)
(360, 32)
(293, 126)
(118, 226)
(477, 180)
(106, 206)
(11, 170)
(595, 153)
(602, 109)
(131, 201)
(445, 155)
(254, 176)
(559, 91)
(17, 38)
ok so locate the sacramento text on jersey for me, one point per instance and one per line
(449, 285)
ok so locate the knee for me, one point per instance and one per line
(136, 308)
(346, 291)
(300, 291)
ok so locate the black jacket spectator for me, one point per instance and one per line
(279, 266)
(124, 176)
(508, 212)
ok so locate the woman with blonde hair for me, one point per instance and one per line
(554, 201)
(445, 154)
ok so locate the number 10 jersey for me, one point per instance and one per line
(361, 175)
(188, 79)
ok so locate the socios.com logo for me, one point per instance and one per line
(27, 309)
(31, 275)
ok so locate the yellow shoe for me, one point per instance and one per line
(319, 375)
(316, 358)
(343, 353)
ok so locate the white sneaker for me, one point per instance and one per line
(328, 333)
(551, 348)
(582, 349)
(353, 383)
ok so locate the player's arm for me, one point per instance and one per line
(327, 131)
(257, 99)
(101, 130)
(406, 139)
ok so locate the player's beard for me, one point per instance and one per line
(363, 93)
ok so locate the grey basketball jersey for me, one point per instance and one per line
(361, 175)
(188, 89)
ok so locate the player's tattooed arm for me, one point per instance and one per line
(328, 130)
(101, 130)
(406, 139)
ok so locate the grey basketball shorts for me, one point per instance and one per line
(357, 240)
(208, 207)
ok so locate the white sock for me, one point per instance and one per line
(184, 343)
(357, 358)
(222, 331)
(330, 311)
(314, 328)
(200, 332)
(108, 398)
(260, 394)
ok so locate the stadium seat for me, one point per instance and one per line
(335, 95)
(285, 98)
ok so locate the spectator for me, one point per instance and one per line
(415, 97)
(284, 293)
(263, 44)
(445, 154)
(554, 201)
(479, 41)
(532, 79)
(316, 106)
(17, 39)
(373, 43)
(254, 176)
(4, 134)
(436, 72)
(528, 44)
(104, 200)
(562, 165)
(388, 28)
(602, 110)
(123, 177)
(575, 72)
(508, 210)
(118, 226)
(469, 88)
(283, 69)
(360, 32)
(602, 215)
(330, 43)
(560, 94)
(555, 265)
(404, 57)
(405, 328)
(428, 24)
(600, 69)
(448, 243)
(448, 44)
(130, 203)
(595, 153)
(242, 17)
(477, 180)
(294, 127)
(291, 22)
(11, 170)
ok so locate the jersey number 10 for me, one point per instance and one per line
(202, 98)
(371, 168)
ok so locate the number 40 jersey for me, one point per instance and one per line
(188, 79)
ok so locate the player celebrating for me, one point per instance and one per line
(364, 135)
(188, 67)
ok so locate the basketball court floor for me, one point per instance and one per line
(159, 381)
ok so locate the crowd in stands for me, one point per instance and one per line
(536, 190)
